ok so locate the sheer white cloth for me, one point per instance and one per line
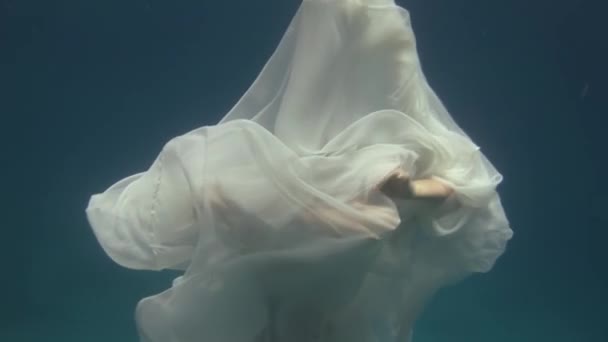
(274, 213)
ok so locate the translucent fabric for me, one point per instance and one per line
(275, 213)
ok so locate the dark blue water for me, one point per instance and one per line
(91, 90)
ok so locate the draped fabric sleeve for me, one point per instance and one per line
(147, 221)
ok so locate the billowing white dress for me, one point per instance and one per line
(274, 213)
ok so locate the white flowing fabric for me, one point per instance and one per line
(274, 213)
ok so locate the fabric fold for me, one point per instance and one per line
(275, 215)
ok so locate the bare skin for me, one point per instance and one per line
(400, 185)
(397, 185)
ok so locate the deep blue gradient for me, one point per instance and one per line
(91, 90)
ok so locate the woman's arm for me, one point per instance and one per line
(400, 185)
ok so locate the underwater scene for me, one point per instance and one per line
(304, 171)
